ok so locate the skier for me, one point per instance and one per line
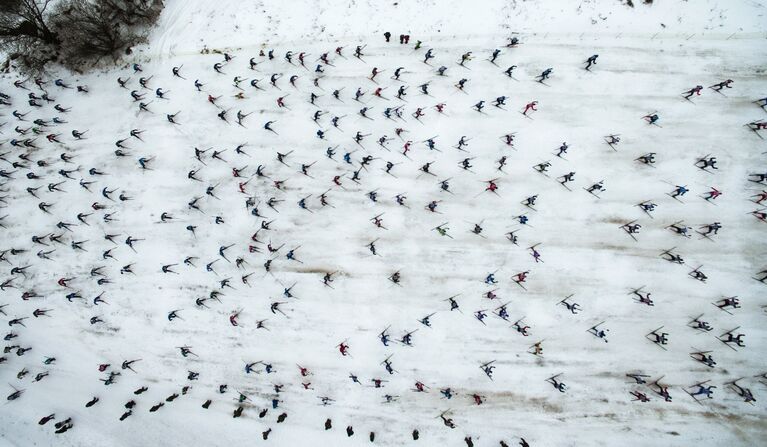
(651, 118)
(465, 57)
(172, 117)
(544, 75)
(681, 230)
(567, 178)
(495, 55)
(592, 60)
(724, 84)
(599, 333)
(429, 55)
(596, 188)
(732, 338)
(712, 228)
(713, 194)
(536, 255)
(705, 163)
(679, 191)
(693, 91)
(560, 386)
(126, 364)
(760, 197)
(731, 302)
(530, 106)
(384, 337)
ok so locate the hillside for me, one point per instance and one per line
(338, 289)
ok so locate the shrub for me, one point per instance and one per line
(72, 32)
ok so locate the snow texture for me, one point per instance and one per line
(648, 56)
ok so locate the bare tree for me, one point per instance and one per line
(72, 31)
(25, 33)
(91, 29)
(135, 12)
(86, 30)
(25, 19)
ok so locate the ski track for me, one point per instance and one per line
(585, 252)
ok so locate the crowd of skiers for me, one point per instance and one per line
(47, 170)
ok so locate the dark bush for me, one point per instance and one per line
(75, 33)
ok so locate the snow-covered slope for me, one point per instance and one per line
(642, 68)
(187, 26)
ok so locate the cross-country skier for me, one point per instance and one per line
(592, 60)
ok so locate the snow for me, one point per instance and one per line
(642, 68)
(186, 26)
